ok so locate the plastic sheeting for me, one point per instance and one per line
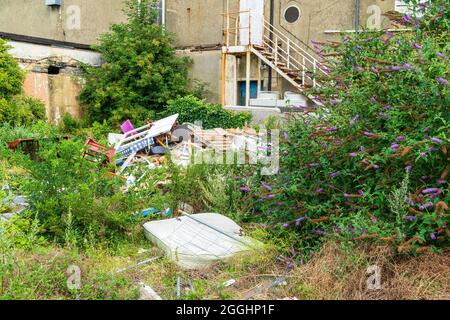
(197, 240)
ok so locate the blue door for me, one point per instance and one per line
(253, 91)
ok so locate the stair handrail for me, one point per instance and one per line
(293, 45)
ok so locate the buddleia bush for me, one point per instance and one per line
(374, 162)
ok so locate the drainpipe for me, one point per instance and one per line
(269, 84)
(357, 17)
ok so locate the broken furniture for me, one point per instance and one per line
(195, 241)
(97, 153)
(26, 146)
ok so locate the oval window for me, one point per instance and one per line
(292, 14)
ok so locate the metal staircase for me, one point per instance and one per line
(289, 59)
(247, 32)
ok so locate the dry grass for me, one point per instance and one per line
(337, 273)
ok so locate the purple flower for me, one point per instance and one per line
(334, 174)
(331, 129)
(408, 168)
(417, 46)
(410, 218)
(440, 181)
(320, 232)
(270, 196)
(312, 164)
(425, 177)
(440, 55)
(396, 68)
(432, 149)
(426, 206)
(387, 107)
(406, 18)
(374, 70)
(408, 66)
(426, 129)
(436, 140)
(423, 155)
(443, 81)
(324, 145)
(298, 222)
(431, 190)
(432, 236)
(319, 190)
(395, 146)
(355, 120)
(400, 138)
(353, 154)
(266, 186)
(364, 231)
(286, 225)
(286, 136)
(361, 193)
(346, 195)
(245, 189)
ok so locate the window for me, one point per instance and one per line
(292, 14)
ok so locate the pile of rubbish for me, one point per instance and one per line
(148, 145)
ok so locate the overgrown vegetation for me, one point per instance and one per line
(368, 176)
(193, 110)
(15, 108)
(374, 164)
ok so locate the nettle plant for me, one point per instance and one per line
(374, 162)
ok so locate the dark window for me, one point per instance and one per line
(53, 70)
(292, 14)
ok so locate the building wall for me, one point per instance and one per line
(198, 26)
(79, 21)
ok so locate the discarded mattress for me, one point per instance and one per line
(194, 241)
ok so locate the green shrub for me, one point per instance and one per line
(11, 76)
(192, 109)
(21, 110)
(376, 163)
(14, 107)
(74, 197)
(141, 71)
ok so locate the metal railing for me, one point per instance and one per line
(290, 53)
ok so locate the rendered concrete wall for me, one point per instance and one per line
(206, 68)
(79, 21)
(195, 22)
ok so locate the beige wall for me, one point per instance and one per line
(195, 22)
(34, 18)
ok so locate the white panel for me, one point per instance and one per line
(254, 19)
